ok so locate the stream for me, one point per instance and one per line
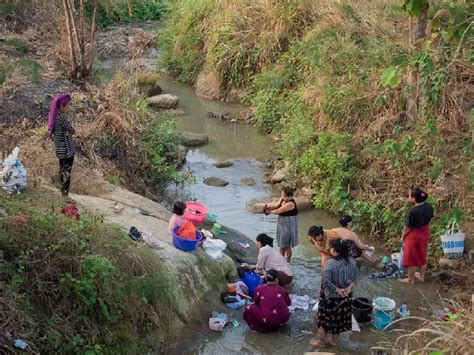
(249, 150)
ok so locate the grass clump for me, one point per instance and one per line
(69, 286)
(19, 45)
(312, 72)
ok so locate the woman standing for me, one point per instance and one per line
(321, 240)
(287, 224)
(416, 235)
(61, 132)
(270, 259)
(335, 304)
(270, 308)
(356, 247)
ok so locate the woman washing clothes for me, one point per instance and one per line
(335, 305)
(321, 240)
(270, 259)
(416, 235)
(61, 131)
(356, 247)
(270, 308)
(287, 224)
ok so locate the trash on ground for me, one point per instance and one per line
(20, 344)
(151, 241)
(244, 245)
(300, 302)
(216, 324)
(214, 247)
(13, 175)
(118, 208)
(72, 211)
(134, 234)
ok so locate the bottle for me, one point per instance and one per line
(403, 309)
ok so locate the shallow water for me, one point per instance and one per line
(249, 149)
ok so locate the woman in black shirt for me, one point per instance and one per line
(416, 235)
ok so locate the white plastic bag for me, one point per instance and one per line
(13, 175)
(214, 247)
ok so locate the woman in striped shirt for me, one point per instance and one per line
(335, 304)
(61, 132)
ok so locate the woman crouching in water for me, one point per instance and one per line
(335, 304)
(270, 308)
(61, 132)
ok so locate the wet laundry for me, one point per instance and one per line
(300, 302)
(391, 271)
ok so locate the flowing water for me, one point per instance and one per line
(249, 150)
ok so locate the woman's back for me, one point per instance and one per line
(338, 273)
(273, 301)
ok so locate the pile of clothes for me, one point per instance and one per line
(236, 296)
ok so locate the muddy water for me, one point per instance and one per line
(249, 150)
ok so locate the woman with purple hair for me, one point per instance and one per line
(61, 131)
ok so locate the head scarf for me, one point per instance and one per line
(59, 100)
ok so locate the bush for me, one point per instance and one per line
(126, 11)
(68, 284)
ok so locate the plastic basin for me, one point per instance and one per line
(195, 212)
(186, 244)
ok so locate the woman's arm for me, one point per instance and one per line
(65, 124)
(262, 259)
(285, 208)
(273, 206)
(359, 243)
(405, 231)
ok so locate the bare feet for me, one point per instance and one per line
(407, 281)
(418, 276)
(320, 343)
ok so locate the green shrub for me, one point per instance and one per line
(126, 11)
(18, 44)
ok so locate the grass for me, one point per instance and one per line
(311, 71)
(69, 285)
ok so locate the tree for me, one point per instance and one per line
(418, 22)
(81, 55)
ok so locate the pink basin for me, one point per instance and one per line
(195, 212)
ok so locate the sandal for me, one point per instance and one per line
(407, 281)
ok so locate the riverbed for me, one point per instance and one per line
(249, 150)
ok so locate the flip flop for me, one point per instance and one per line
(407, 281)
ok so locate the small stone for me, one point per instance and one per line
(223, 164)
(471, 256)
(189, 139)
(215, 181)
(154, 90)
(248, 181)
(166, 101)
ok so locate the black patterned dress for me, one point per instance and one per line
(334, 311)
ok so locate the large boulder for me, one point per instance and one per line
(208, 85)
(223, 164)
(189, 139)
(165, 101)
(256, 206)
(279, 175)
(215, 181)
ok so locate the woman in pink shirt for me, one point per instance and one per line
(269, 258)
(177, 219)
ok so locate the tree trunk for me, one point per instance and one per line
(72, 53)
(417, 27)
(81, 39)
(92, 38)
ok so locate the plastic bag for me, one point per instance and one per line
(13, 175)
(214, 247)
(216, 324)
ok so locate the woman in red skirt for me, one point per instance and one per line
(416, 236)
